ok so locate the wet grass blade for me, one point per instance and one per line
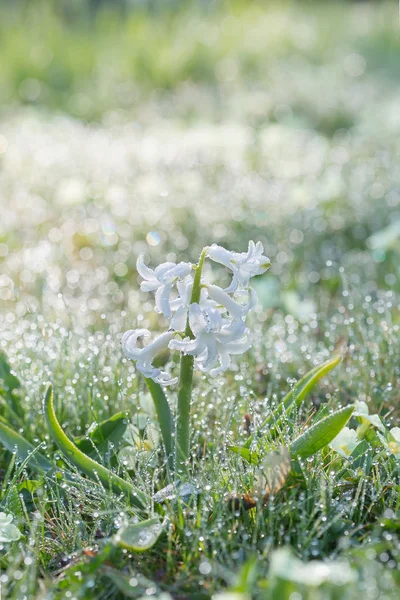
(13, 441)
(296, 396)
(321, 434)
(107, 433)
(165, 418)
(87, 465)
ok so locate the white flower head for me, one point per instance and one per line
(345, 442)
(215, 339)
(161, 281)
(144, 356)
(244, 265)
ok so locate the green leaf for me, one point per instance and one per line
(245, 453)
(321, 434)
(139, 537)
(30, 485)
(14, 442)
(296, 396)
(105, 433)
(165, 418)
(87, 465)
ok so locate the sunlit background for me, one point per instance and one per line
(161, 127)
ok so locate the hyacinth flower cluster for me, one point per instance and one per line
(206, 324)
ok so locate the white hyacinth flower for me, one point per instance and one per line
(215, 339)
(161, 281)
(145, 356)
(243, 265)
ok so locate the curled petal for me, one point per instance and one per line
(145, 356)
(145, 271)
(129, 340)
(239, 346)
(220, 255)
(232, 332)
(163, 270)
(234, 308)
(210, 358)
(225, 361)
(162, 300)
(188, 346)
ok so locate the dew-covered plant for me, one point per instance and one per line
(206, 325)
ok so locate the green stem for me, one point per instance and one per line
(182, 440)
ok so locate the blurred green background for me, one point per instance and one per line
(90, 56)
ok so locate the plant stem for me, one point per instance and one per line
(182, 439)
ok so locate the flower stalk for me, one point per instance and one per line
(182, 437)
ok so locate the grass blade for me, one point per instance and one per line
(87, 465)
(165, 418)
(107, 432)
(13, 441)
(321, 434)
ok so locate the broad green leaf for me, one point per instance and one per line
(296, 396)
(14, 442)
(108, 432)
(321, 434)
(139, 537)
(165, 418)
(87, 465)
(245, 453)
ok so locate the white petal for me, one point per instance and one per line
(129, 340)
(233, 285)
(236, 310)
(232, 332)
(238, 347)
(143, 270)
(162, 300)
(211, 357)
(164, 268)
(220, 255)
(160, 343)
(149, 286)
(178, 321)
(188, 346)
(178, 272)
(225, 361)
(197, 319)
